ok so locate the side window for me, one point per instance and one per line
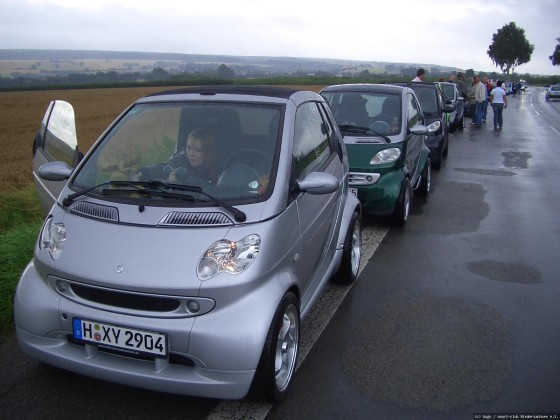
(413, 111)
(311, 140)
(329, 130)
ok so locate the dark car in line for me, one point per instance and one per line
(434, 109)
(384, 133)
(453, 97)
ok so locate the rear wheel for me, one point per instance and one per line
(400, 215)
(278, 360)
(426, 180)
(351, 254)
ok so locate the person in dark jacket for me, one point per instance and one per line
(195, 165)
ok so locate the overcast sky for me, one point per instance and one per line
(449, 33)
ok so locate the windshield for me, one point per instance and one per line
(428, 100)
(378, 111)
(228, 150)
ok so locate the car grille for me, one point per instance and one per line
(97, 211)
(369, 140)
(176, 218)
(357, 178)
(126, 300)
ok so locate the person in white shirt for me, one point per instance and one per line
(498, 99)
(420, 74)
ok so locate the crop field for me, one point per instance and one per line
(21, 114)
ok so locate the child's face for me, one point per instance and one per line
(195, 153)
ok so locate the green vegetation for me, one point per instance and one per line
(20, 221)
(510, 48)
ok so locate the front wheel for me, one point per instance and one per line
(400, 215)
(426, 180)
(351, 254)
(278, 360)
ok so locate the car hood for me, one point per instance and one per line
(130, 257)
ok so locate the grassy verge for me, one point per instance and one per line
(20, 221)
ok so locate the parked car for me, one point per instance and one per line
(452, 96)
(180, 284)
(384, 132)
(435, 110)
(553, 92)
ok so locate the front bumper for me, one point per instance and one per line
(212, 356)
(380, 197)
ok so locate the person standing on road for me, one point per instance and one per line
(488, 88)
(420, 74)
(480, 97)
(498, 99)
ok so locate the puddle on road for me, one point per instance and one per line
(491, 172)
(516, 160)
(506, 272)
(429, 352)
(460, 208)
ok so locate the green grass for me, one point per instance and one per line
(20, 221)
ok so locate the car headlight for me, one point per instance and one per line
(386, 156)
(228, 256)
(435, 126)
(52, 238)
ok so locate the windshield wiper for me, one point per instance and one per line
(238, 214)
(365, 130)
(158, 188)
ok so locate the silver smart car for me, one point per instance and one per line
(182, 251)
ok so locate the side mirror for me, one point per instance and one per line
(318, 183)
(449, 108)
(419, 129)
(55, 171)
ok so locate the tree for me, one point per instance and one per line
(224, 72)
(510, 48)
(555, 57)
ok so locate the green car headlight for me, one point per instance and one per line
(386, 156)
(228, 256)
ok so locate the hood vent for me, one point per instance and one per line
(369, 140)
(195, 219)
(97, 211)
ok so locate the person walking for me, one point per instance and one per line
(498, 99)
(479, 96)
(488, 88)
(420, 74)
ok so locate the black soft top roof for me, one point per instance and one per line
(279, 92)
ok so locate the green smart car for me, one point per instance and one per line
(384, 133)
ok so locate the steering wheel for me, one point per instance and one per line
(380, 126)
(249, 156)
(238, 175)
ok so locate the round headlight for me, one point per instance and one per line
(52, 238)
(228, 256)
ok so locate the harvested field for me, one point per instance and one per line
(21, 114)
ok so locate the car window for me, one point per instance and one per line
(312, 141)
(226, 149)
(428, 100)
(449, 91)
(413, 111)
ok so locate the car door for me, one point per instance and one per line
(413, 116)
(55, 141)
(314, 150)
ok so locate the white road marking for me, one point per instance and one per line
(314, 324)
(555, 130)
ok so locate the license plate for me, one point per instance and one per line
(354, 191)
(122, 339)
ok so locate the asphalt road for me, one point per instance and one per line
(455, 314)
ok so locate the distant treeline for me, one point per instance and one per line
(223, 75)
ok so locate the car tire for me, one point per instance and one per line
(278, 360)
(445, 144)
(437, 157)
(426, 180)
(347, 272)
(461, 123)
(402, 208)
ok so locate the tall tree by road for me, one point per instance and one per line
(510, 48)
(555, 57)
